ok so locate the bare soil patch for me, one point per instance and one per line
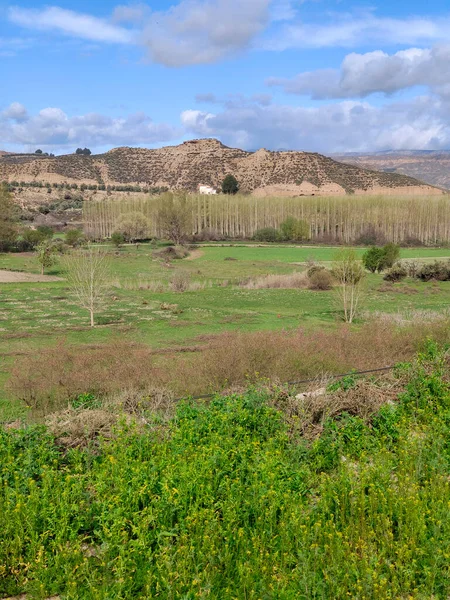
(19, 277)
(194, 254)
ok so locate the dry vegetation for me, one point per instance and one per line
(51, 379)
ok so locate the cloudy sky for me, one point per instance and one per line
(317, 75)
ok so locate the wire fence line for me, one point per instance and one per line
(303, 381)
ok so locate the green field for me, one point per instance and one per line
(37, 315)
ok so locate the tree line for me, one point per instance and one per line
(365, 220)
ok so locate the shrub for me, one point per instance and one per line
(438, 270)
(46, 231)
(172, 253)
(31, 239)
(321, 280)
(396, 273)
(267, 234)
(208, 234)
(372, 259)
(391, 253)
(75, 237)
(117, 239)
(180, 282)
(379, 259)
(295, 229)
(412, 267)
(370, 237)
(314, 268)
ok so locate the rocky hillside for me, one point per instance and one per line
(207, 162)
(433, 167)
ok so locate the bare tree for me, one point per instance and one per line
(349, 274)
(174, 217)
(88, 277)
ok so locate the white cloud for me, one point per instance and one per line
(364, 74)
(69, 22)
(422, 123)
(348, 30)
(190, 32)
(52, 128)
(202, 31)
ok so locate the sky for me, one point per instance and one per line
(316, 75)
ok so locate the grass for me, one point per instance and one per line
(228, 500)
(36, 316)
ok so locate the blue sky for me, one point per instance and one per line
(315, 75)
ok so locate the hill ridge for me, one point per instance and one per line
(207, 161)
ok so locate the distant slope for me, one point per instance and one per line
(433, 167)
(207, 162)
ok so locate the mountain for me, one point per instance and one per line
(207, 162)
(430, 166)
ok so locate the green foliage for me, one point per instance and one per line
(46, 231)
(46, 252)
(32, 238)
(227, 504)
(83, 151)
(117, 239)
(230, 185)
(267, 234)
(75, 237)
(380, 259)
(85, 401)
(296, 230)
(8, 219)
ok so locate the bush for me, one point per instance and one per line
(172, 253)
(314, 269)
(321, 280)
(295, 230)
(370, 237)
(391, 253)
(396, 273)
(75, 237)
(379, 259)
(117, 239)
(180, 281)
(31, 238)
(438, 271)
(267, 234)
(46, 231)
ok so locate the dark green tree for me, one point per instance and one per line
(230, 185)
(8, 219)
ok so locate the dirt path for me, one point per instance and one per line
(17, 277)
(194, 254)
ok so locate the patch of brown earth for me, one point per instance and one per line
(18, 277)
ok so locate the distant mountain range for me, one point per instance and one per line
(206, 162)
(430, 166)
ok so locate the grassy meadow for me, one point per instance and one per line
(111, 487)
(143, 309)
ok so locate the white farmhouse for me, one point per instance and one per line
(206, 189)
